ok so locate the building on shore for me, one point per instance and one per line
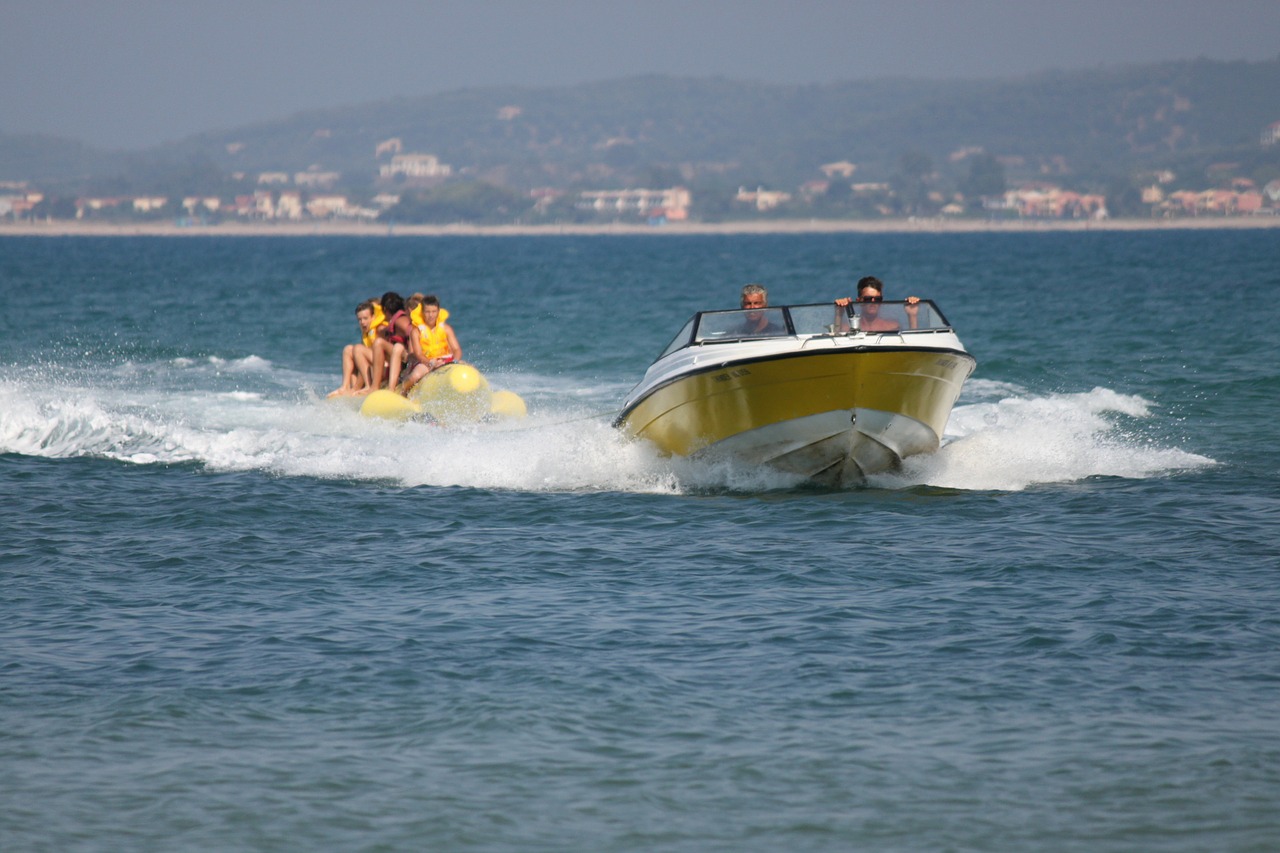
(415, 166)
(671, 204)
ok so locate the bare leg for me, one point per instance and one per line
(397, 360)
(348, 372)
(381, 351)
(419, 370)
(364, 366)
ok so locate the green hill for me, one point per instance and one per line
(1083, 128)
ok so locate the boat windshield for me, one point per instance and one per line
(681, 340)
(736, 325)
(788, 320)
(826, 319)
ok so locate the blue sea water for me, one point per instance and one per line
(238, 616)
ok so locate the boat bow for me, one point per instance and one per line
(802, 389)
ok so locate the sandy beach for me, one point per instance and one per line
(69, 228)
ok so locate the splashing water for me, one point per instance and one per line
(1020, 440)
(1008, 441)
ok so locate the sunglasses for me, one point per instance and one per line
(870, 298)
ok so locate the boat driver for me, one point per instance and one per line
(756, 321)
(870, 295)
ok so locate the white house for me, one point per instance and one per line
(415, 166)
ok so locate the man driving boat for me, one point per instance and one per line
(755, 298)
(870, 295)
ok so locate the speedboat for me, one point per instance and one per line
(831, 394)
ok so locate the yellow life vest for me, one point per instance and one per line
(416, 318)
(379, 320)
(435, 343)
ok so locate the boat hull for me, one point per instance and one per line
(831, 416)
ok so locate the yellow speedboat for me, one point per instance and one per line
(805, 389)
(450, 395)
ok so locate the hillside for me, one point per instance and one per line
(778, 135)
(1088, 129)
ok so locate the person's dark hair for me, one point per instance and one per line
(872, 282)
(367, 305)
(430, 299)
(391, 303)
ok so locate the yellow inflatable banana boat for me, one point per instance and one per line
(450, 395)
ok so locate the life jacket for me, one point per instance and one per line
(417, 319)
(435, 343)
(393, 334)
(372, 335)
(379, 320)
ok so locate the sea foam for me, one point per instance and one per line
(1020, 439)
(1006, 440)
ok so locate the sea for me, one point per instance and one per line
(235, 615)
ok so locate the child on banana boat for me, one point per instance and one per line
(395, 341)
(436, 339)
(414, 341)
(357, 359)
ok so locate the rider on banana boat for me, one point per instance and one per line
(357, 359)
(395, 341)
(438, 343)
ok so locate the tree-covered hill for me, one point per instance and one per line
(1084, 126)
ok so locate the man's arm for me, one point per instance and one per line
(454, 346)
(415, 340)
(913, 311)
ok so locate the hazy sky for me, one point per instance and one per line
(132, 73)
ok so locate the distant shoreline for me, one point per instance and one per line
(63, 228)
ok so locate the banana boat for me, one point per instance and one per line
(452, 395)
